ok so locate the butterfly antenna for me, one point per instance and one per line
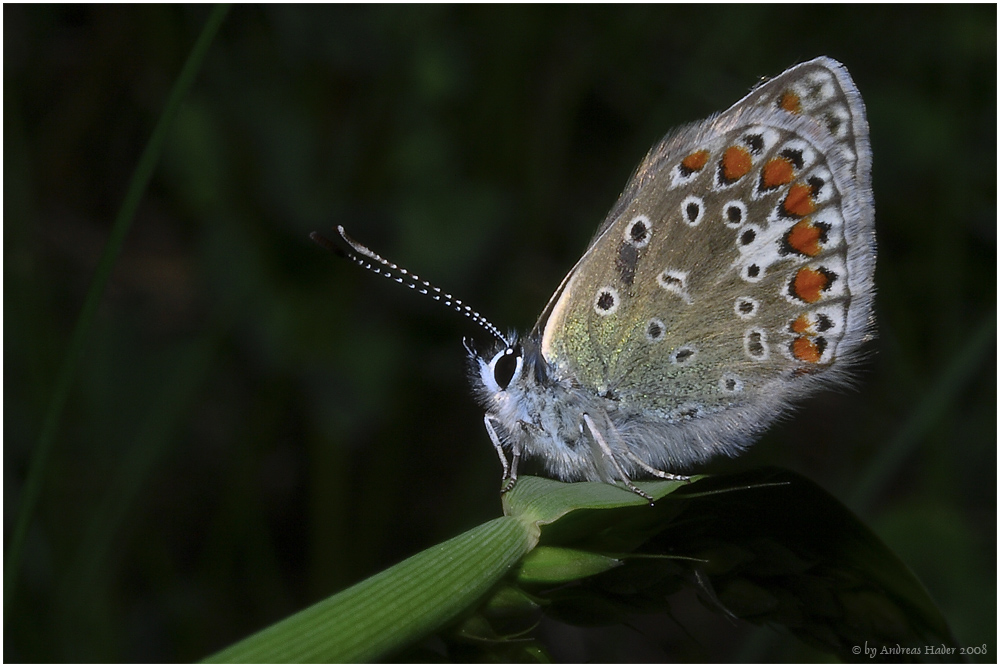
(383, 267)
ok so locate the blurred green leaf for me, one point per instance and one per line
(769, 547)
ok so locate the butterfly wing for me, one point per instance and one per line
(736, 268)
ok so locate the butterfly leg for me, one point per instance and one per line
(488, 420)
(509, 471)
(592, 427)
(658, 473)
(513, 469)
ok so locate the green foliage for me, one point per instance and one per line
(768, 547)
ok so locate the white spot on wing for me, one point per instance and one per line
(606, 301)
(692, 210)
(632, 234)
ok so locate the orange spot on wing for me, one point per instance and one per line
(778, 171)
(800, 200)
(790, 102)
(809, 284)
(695, 161)
(801, 324)
(806, 350)
(805, 237)
(736, 163)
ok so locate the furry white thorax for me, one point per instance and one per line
(534, 410)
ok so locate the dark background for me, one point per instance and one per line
(257, 424)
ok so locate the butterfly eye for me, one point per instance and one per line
(506, 366)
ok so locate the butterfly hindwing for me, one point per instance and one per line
(724, 271)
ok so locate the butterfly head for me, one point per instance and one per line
(507, 370)
(502, 369)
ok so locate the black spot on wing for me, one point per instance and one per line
(628, 258)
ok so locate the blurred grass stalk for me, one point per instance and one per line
(84, 323)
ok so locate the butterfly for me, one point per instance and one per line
(733, 277)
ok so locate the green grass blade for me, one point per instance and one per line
(544, 501)
(67, 371)
(396, 607)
